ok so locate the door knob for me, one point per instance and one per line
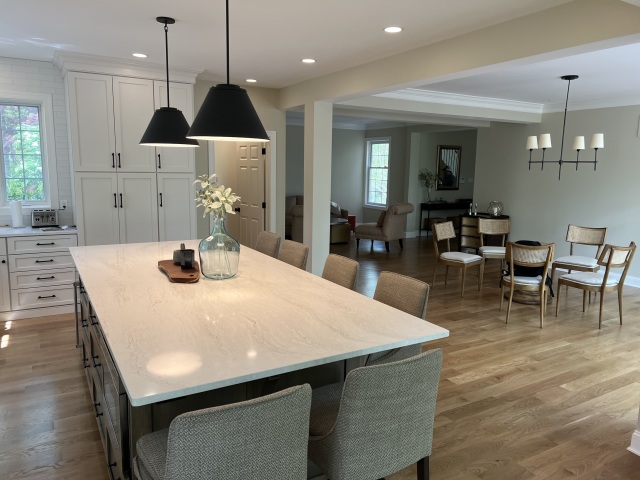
(237, 209)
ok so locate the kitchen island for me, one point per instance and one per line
(153, 349)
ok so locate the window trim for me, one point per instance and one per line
(367, 167)
(47, 143)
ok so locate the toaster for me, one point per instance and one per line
(44, 218)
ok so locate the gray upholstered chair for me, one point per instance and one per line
(268, 243)
(445, 232)
(611, 257)
(576, 235)
(294, 253)
(261, 438)
(341, 270)
(378, 422)
(497, 228)
(404, 293)
(390, 226)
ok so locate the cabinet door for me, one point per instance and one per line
(92, 126)
(176, 206)
(133, 109)
(97, 209)
(173, 159)
(137, 202)
(5, 292)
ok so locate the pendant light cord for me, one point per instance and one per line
(166, 53)
(228, 42)
(564, 122)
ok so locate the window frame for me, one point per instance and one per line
(44, 102)
(369, 142)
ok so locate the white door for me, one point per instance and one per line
(137, 203)
(175, 159)
(91, 115)
(176, 206)
(251, 191)
(5, 292)
(97, 208)
(133, 109)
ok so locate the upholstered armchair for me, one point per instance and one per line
(297, 214)
(390, 226)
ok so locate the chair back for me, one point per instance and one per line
(385, 419)
(586, 236)
(294, 253)
(442, 231)
(341, 270)
(267, 435)
(494, 226)
(268, 243)
(530, 255)
(613, 256)
(395, 220)
(404, 293)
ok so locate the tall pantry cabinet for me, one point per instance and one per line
(126, 192)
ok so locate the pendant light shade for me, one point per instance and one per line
(227, 112)
(168, 127)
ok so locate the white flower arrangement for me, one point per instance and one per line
(216, 199)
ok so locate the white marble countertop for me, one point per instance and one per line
(6, 231)
(170, 340)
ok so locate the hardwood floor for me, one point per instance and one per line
(515, 401)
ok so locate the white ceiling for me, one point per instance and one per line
(269, 39)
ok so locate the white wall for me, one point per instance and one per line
(18, 75)
(540, 206)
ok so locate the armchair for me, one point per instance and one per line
(391, 226)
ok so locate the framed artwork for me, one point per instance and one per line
(448, 167)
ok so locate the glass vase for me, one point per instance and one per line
(219, 252)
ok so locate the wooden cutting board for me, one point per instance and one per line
(178, 274)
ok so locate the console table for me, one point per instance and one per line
(437, 206)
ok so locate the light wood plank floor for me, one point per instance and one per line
(515, 401)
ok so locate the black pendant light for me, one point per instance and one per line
(227, 113)
(168, 127)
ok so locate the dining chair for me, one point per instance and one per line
(445, 232)
(268, 243)
(611, 257)
(581, 236)
(497, 228)
(294, 253)
(527, 256)
(341, 270)
(265, 437)
(404, 293)
(378, 422)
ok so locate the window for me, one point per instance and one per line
(377, 172)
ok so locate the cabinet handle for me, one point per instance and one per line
(46, 278)
(119, 166)
(115, 201)
(161, 199)
(4, 261)
(113, 160)
(159, 162)
(45, 296)
(85, 363)
(45, 261)
(93, 359)
(85, 324)
(50, 243)
(120, 200)
(94, 320)
(95, 406)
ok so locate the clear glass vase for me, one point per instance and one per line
(219, 252)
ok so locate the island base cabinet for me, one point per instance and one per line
(5, 292)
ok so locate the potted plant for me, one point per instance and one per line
(428, 180)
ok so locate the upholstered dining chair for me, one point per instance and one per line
(445, 232)
(612, 257)
(294, 253)
(341, 270)
(268, 243)
(378, 422)
(581, 236)
(527, 256)
(498, 228)
(404, 293)
(261, 438)
(391, 225)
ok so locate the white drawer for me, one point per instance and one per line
(42, 279)
(22, 263)
(41, 297)
(41, 243)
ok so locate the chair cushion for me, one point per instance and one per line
(368, 229)
(460, 257)
(577, 260)
(589, 278)
(493, 250)
(325, 404)
(524, 280)
(152, 452)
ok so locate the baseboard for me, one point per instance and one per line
(635, 443)
(36, 312)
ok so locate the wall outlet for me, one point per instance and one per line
(63, 204)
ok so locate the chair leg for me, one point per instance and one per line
(481, 279)
(584, 300)
(619, 302)
(423, 468)
(464, 276)
(543, 305)
(372, 245)
(435, 271)
(501, 293)
(558, 301)
(446, 273)
(553, 274)
(386, 245)
(509, 306)
(357, 243)
(601, 306)
(401, 245)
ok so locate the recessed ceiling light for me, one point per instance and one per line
(308, 60)
(251, 80)
(393, 29)
(139, 55)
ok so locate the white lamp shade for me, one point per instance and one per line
(578, 143)
(597, 141)
(545, 140)
(532, 143)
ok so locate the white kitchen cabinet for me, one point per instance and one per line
(5, 290)
(176, 202)
(137, 202)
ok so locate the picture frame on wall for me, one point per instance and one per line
(448, 167)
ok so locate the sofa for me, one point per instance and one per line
(297, 213)
(390, 226)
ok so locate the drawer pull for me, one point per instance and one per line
(94, 358)
(94, 320)
(41, 244)
(95, 406)
(46, 278)
(45, 261)
(40, 297)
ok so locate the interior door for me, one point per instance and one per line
(251, 161)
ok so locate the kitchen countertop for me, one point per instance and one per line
(7, 231)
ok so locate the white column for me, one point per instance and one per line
(635, 440)
(318, 120)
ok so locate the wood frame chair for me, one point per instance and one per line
(576, 235)
(527, 256)
(268, 243)
(445, 231)
(496, 227)
(611, 257)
